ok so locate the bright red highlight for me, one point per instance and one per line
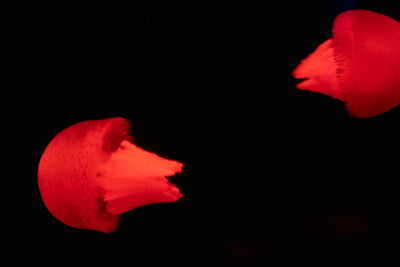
(359, 65)
(90, 173)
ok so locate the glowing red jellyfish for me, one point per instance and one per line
(90, 173)
(359, 65)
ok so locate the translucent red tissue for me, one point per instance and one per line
(91, 172)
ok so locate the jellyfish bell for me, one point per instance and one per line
(359, 65)
(91, 172)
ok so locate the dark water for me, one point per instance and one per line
(271, 175)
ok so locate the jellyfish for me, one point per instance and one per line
(92, 172)
(359, 64)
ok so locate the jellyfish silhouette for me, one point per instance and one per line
(359, 65)
(91, 173)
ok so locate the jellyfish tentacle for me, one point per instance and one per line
(319, 69)
(123, 195)
(133, 177)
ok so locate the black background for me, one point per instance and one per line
(272, 174)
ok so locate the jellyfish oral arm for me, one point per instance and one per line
(132, 177)
(319, 71)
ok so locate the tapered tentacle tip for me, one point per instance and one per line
(176, 167)
(173, 193)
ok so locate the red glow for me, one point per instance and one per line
(359, 65)
(90, 173)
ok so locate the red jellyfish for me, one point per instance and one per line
(90, 173)
(359, 65)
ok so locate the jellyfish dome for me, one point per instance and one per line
(359, 65)
(91, 172)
